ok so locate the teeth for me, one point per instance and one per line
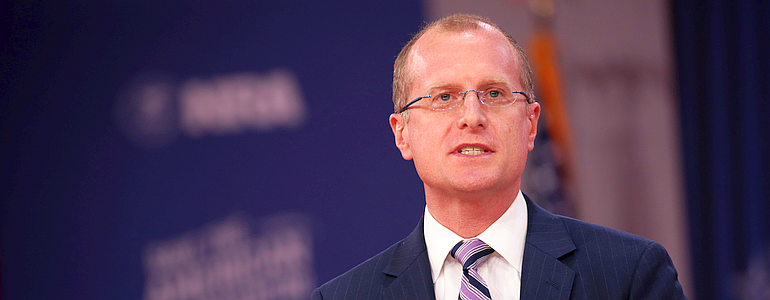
(472, 150)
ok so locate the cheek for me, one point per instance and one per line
(424, 145)
(427, 137)
(516, 135)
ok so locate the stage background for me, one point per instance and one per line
(724, 92)
(136, 134)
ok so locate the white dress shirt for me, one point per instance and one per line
(501, 271)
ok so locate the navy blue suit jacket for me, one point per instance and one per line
(564, 258)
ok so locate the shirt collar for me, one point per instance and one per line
(506, 235)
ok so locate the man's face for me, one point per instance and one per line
(477, 59)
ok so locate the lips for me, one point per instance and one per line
(472, 150)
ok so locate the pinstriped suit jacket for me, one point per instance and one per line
(563, 259)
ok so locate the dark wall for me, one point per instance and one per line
(724, 91)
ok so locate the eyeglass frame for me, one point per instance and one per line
(463, 99)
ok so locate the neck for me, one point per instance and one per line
(468, 215)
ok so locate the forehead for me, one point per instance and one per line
(463, 58)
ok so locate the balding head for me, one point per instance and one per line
(402, 77)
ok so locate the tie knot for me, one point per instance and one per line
(471, 253)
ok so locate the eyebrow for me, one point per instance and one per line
(486, 82)
(495, 81)
(442, 85)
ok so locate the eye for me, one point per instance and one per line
(445, 97)
(493, 93)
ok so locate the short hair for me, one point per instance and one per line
(453, 23)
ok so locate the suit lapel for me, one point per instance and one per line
(544, 276)
(409, 269)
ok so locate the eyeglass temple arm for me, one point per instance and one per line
(525, 96)
(410, 103)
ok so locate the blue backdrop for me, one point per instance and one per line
(80, 200)
(724, 89)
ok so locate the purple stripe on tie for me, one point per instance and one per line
(471, 254)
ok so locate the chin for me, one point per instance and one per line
(478, 184)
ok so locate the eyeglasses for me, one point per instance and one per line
(449, 100)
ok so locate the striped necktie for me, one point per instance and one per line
(471, 254)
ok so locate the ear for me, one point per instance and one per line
(532, 117)
(401, 133)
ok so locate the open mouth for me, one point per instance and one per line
(472, 150)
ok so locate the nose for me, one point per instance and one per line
(472, 114)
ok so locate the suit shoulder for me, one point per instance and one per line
(584, 233)
(640, 267)
(360, 282)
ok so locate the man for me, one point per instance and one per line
(466, 115)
